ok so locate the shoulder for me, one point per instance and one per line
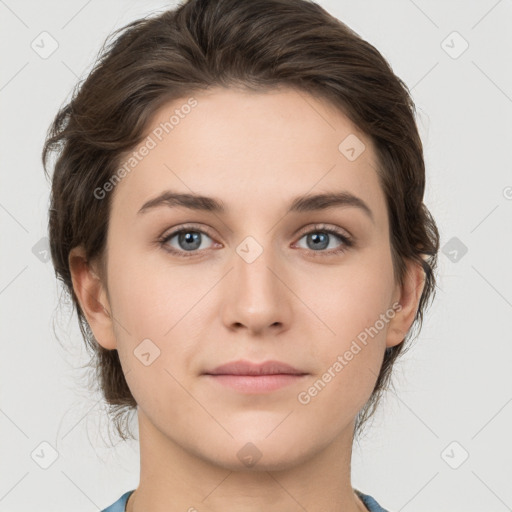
(370, 502)
(120, 504)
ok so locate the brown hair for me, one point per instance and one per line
(257, 44)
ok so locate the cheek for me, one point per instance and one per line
(148, 298)
(157, 311)
(345, 301)
(350, 351)
(352, 309)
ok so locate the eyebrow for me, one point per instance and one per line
(305, 203)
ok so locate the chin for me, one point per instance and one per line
(257, 453)
(267, 462)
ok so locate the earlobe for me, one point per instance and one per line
(90, 292)
(408, 298)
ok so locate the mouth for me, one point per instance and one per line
(248, 377)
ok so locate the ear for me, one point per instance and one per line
(92, 296)
(408, 296)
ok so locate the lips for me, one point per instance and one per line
(255, 378)
(254, 369)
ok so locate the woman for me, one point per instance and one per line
(237, 212)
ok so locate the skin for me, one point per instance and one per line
(293, 303)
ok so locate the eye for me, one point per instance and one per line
(187, 240)
(322, 237)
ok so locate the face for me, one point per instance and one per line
(260, 278)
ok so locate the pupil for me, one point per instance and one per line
(190, 237)
(320, 240)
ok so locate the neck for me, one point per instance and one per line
(175, 479)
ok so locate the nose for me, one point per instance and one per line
(256, 297)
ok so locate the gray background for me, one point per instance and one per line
(453, 389)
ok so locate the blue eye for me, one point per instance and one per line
(319, 239)
(189, 241)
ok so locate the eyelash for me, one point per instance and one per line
(348, 242)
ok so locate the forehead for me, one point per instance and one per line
(249, 148)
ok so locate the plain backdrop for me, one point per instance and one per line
(441, 442)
